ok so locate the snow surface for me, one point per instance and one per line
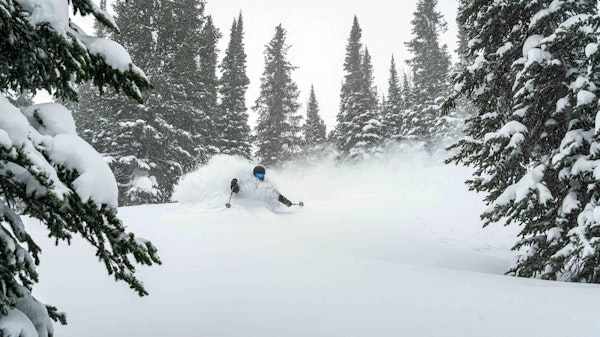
(391, 247)
(96, 181)
(200, 186)
(531, 43)
(55, 119)
(57, 133)
(591, 49)
(50, 126)
(53, 12)
(15, 323)
(585, 97)
(113, 53)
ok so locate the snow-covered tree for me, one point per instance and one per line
(462, 47)
(454, 120)
(366, 124)
(315, 131)
(150, 146)
(232, 119)
(534, 79)
(185, 52)
(430, 67)
(49, 173)
(392, 118)
(351, 87)
(407, 91)
(358, 130)
(278, 131)
(207, 86)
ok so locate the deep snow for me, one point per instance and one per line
(387, 248)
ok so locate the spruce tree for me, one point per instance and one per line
(278, 131)
(315, 132)
(351, 88)
(393, 107)
(150, 146)
(179, 48)
(358, 130)
(366, 125)
(533, 144)
(462, 48)
(208, 86)
(463, 108)
(232, 119)
(430, 71)
(408, 98)
(49, 173)
(92, 112)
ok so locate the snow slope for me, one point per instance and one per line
(387, 248)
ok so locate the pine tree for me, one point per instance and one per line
(208, 86)
(151, 146)
(278, 131)
(358, 130)
(463, 108)
(351, 87)
(366, 124)
(92, 112)
(462, 48)
(232, 119)
(408, 98)
(180, 48)
(393, 107)
(315, 132)
(49, 173)
(534, 140)
(100, 29)
(430, 70)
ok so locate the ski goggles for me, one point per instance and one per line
(260, 176)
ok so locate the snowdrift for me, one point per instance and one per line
(209, 186)
(388, 247)
(322, 179)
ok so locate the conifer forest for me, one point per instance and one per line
(147, 97)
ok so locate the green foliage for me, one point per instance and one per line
(232, 119)
(393, 117)
(27, 49)
(33, 184)
(278, 129)
(358, 130)
(315, 132)
(533, 79)
(151, 146)
(430, 70)
(207, 86)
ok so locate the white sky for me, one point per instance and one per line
(317, 31)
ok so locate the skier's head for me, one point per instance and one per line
(259, 172)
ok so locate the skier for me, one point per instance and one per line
(263, 188)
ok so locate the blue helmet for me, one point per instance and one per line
(259, 172)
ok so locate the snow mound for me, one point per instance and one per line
(209, 186)
(316, 179)
(210, 183)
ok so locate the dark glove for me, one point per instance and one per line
(285, 201)
(235, 188)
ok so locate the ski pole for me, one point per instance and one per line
(228, 205)
(301, 204)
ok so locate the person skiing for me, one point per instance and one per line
(264, 188)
